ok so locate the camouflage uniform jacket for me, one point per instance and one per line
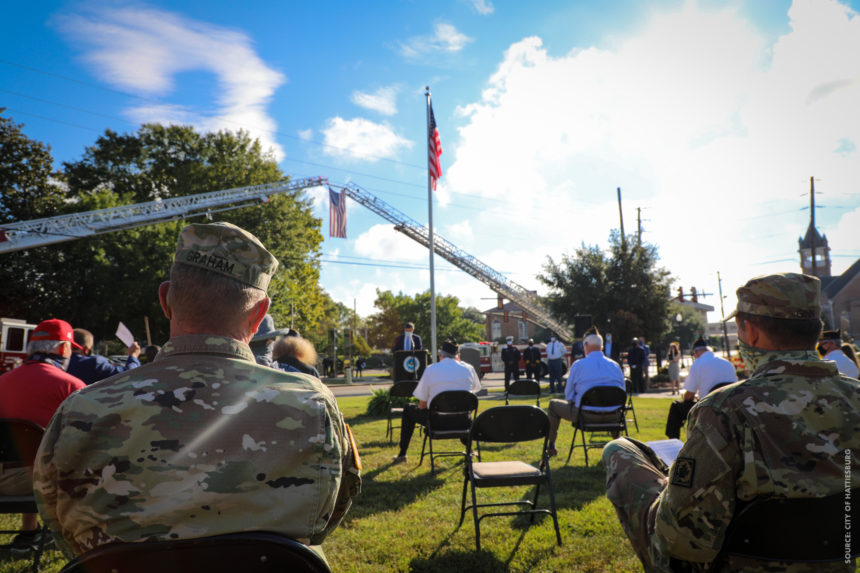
(202, 442)
(784, 432)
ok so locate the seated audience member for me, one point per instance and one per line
(33, 391)
(593, 370)
(150, 352)
(263, 343)
(779, 434)
(296, 352)
(450, 373)
(830, 347)
(204, 441)
(91, 367)
(707, 371)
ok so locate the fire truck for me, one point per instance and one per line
(14, 336)
(491, 356)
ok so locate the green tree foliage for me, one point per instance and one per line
(691, 326)
(98, 281)
(624, 290)
(394, 310)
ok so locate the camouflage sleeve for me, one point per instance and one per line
(696, 507)
(45, 483)
(350, 476)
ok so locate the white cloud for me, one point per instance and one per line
(384, 243)
(306, 134)
(362, 139)
(383, 100)
(483, 7)
(143, 49)
(445, 39)
(715, 140)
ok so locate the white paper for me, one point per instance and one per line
(666, 450)
(124, 334)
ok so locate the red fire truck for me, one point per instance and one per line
(14, 336)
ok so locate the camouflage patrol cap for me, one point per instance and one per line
(781, 295)
(226, 249)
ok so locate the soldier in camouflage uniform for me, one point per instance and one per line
(203, 441)
(784, 432)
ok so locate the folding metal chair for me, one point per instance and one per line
(449, 417)
(509, 424)
(523, 387)
(609, 421)
(400, 389)
(248, 552)
(796, 530)
(629, 406)
(19, 441)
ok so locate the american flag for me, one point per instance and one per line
(337, 214)
(434, 150)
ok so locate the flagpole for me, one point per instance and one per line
(433, 354)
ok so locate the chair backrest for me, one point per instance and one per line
(19, 441)
(604, 397)
(628, 385)
(403, 388)
(452, 411)
(795, 530)
(249, 552)
(524, 387)
(718, 386)
(510, 424)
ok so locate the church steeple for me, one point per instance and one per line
(821, 266)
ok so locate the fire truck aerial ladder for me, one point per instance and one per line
(51, 230)
(460, 259)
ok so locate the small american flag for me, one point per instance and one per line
(434, 150)
(337, 214)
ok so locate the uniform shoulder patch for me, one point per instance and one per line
(682, 472)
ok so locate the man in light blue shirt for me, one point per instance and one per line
(594, 370)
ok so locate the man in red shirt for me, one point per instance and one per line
(34, 391)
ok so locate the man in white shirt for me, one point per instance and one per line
(707, 371)
(555, 351)
(830, 348)
(593, 370)
(448, 374)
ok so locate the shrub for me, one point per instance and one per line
(378, 403)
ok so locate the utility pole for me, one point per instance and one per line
(723, 317)
(812, 222)
(621, 217)
(639, 226)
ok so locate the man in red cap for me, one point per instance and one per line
(34, 391)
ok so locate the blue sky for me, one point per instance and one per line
(710, 117)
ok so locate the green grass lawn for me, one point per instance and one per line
(406, 517)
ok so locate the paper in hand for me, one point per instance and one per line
(124, 334)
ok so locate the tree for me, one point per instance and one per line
(687, 330)
(624, 290)
(396, 309)
(98, 281)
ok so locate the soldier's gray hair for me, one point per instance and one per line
(594, 340)
(208, 298)
(43, 346)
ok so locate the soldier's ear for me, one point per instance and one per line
(258, 313)
(162, 298)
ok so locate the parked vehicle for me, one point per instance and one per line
(14, 336)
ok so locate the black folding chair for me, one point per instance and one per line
(19, 441)
(629, 406)
(718, 386)
(612, 421)
(796, 530)
(523, 387)
(400, 389)
(248, 552)
(508, 424)
(449, 417)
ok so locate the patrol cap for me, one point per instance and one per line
(226, 249)
(831, 335)
(450, 347)
(54, 330)
(781, 295)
